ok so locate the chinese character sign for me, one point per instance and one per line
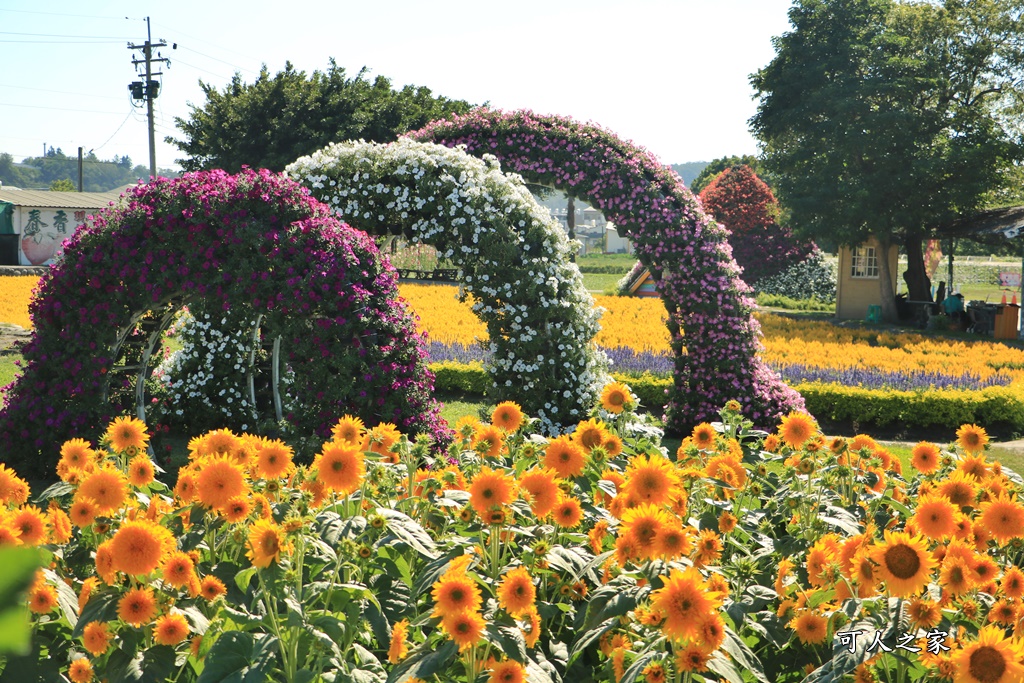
(44, 232)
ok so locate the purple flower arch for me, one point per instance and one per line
(710, 315)
(254, 244)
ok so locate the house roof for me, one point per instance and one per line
(59, 200)
(992, 226)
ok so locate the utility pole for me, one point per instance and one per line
(149, 90)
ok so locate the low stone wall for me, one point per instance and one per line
(22, 271)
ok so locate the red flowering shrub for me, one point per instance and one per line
(253, 243)
(746, 207)
(715, 337)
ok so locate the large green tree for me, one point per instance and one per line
(277, 119)
(887, 117)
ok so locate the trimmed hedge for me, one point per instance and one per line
(1002, 406)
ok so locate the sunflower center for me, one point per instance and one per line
(987, 664)
(337, 465)
(591, 438)
(902, 561)
(616, 399)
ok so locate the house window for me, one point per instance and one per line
(865, 262)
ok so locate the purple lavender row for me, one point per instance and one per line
(625, 359)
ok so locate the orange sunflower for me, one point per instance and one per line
(80, 670)
(237, 509)
(508, 415)
(796, 429)
(342, 467)
(273, 459)
(212, 588)
(170, 629)
(106, 487)
(540, 489)
(465, 628)
(708, 548)
(925, 457)
(127, 433)
(42, 598)
(685, 601)
(266, 543)
(565, 457)
(491, 488)
(703, 436)
(516, 592)
(616, 397)
(811, 628)
(140, 546)
(693, 657)
(650, 479)
(1003, 518)
(936, 517)
(455, 592)
(971, 438)
(77, 453)
(31, 524)
(96, 638)
(642, 525)
(992, 658)
(137, 606)
(398, 649)
(924, 613)
(219, 480)
(350, 429)
(590, 434)
(904, 563)
(568, 513)
(488, 440)
(508, 671)
(178, 569)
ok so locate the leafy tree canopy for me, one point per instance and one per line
(277, 119)
(891, 117)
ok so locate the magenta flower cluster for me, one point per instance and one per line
(715, 337)
(252, 243)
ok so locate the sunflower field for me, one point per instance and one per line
(595, 556)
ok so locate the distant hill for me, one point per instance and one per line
(97, 175)
(690, 170)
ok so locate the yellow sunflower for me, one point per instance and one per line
(590, 434)
(141, 471)
(488, 440)
(565, 457)
(96, 638)
(106, 487)
(465, 628)
(811, 628)
(904, 563)
(936, 517)
(127, 433)
(274, 458)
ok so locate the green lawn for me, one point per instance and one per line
(8, 368)
(602, 283)
(621, 261)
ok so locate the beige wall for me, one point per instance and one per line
(855, 294)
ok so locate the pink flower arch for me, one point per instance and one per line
(710, 313)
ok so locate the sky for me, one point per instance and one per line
(670, 75)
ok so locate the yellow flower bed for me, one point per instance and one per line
(15, 294)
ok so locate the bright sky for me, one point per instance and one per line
(670, 75)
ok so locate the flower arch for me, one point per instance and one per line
(512, 257)
(255, 244)
(714, 334)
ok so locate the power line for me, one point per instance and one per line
(61, 92)
(62, 42)
(234, 66)
(59, 14)
(58, 35)
(130, 112)
(177, 60)
(34, 106)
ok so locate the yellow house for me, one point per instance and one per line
(857, 282)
